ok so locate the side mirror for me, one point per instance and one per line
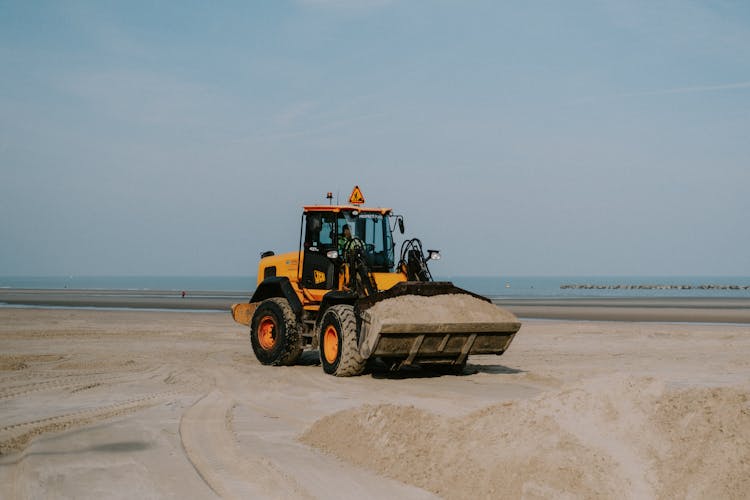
(401, 225)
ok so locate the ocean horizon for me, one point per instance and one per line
(491, 286)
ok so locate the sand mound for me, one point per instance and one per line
(439, 309)
(629, 437)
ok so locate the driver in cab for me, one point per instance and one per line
(344, 238)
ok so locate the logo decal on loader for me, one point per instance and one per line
(319, 276)
(356, 198)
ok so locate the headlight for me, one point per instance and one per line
(433, 254)
(332, 254)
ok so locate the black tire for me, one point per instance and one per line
(274, 333)
(340, 324)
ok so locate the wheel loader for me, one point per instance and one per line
(344, 293)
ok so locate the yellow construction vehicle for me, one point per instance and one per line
(344, 293)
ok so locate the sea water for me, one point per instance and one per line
(491, 286)
(171, 283)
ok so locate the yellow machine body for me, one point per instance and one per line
(324, 295)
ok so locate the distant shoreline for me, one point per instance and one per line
(659, 309)
(131, 299)
(704, 287)
(656, 309)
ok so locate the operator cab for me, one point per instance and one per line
(323, 228)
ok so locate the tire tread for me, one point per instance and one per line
(351, 362)
(292, 341)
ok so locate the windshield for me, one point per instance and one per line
(374, 231)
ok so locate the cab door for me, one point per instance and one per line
(318, 271)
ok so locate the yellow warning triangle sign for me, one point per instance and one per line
(356, 197)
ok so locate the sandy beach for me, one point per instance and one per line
(153, 404)
(515, 234)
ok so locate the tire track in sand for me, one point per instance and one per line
(227, 437)
(76, 383)
(16, 437)
(210, 445)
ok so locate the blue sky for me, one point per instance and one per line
(520, 138)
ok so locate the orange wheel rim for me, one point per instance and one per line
(267, 332)
(331, 344)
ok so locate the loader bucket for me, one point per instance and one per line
(432, 322)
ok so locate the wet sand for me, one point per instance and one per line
(690, 310)
(704, 310)
(153, 404)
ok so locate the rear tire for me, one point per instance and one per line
(338, 342)
(274, 333)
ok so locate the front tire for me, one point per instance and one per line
(338, 342)
(274, 333)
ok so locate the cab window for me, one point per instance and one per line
(320, 231)
(374, 231)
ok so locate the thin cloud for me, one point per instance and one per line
(142, 96)
(294, 112)
(676, 90)
(690, 90)
(321, 129)
(345, 4)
